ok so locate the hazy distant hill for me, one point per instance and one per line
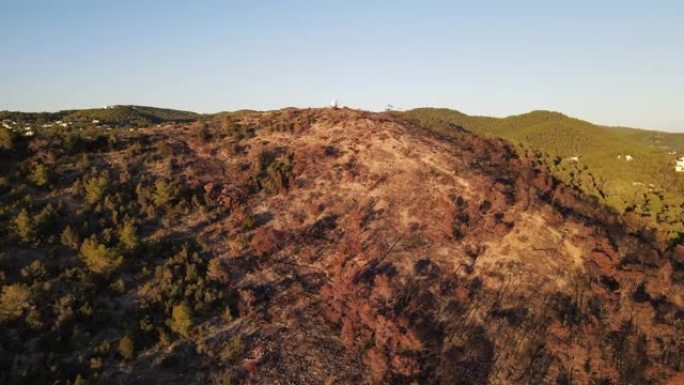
(137, 116)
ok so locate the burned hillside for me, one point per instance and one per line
(322, 246)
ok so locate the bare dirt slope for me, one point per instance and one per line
(379, 252)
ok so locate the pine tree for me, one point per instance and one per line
(128, 235)
(98, 257)
(127, 348)
(216, 271)
(7, 138)
(70, 238)
(163, 193)
(181, 320)
(14, 300)
(40, 175)
(80, 380)
(24, 226)
(95, 188)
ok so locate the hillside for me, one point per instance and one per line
(322, 247)
(646, 186)
(117, 116)
(667, 141)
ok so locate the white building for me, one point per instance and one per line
(679, 166)
(628, 158)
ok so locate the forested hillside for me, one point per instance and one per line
(645, 186)
(118, 116)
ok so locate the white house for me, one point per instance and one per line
(574, 158)
(679, 166)
(628, 158)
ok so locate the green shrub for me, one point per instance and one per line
(33, 319)
(235, 346)
(80, 380)
(34, 271)
(46, 220)
(72, 143)
(64, 309)
(83, 163)
(275, 175)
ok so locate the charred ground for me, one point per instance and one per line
(322, 246)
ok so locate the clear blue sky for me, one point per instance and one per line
(611, 62)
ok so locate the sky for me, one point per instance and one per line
(609, 62)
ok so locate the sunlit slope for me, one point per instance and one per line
(647, 185)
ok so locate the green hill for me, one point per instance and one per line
(134, 116)
(646, 186)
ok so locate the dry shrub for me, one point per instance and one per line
(232, 196)
(266, 241)
(377, 364)
(405, 365)
(382, 288)
(247, 296)
(217, 271)
(362, 300)
(241, 218)
(305, 157)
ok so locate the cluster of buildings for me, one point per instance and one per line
(679, 165)
(8, 124)
(27, 130)
(679, 162)
(59, 123)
